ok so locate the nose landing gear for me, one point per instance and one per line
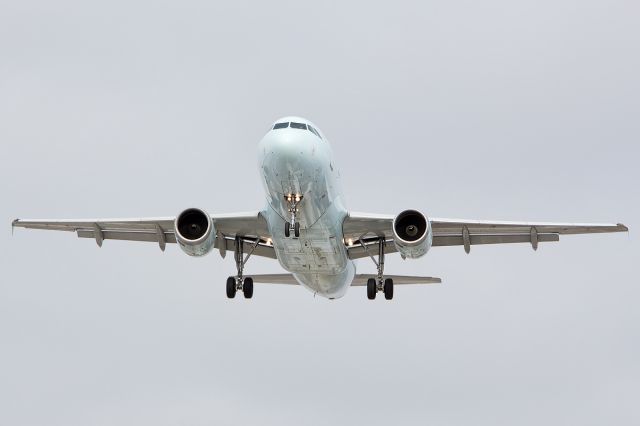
(292, 201)
(296, 229)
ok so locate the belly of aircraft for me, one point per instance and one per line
(317, 258)
(332, 286)
(302, 169)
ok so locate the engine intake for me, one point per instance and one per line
(412, 234)
(194, 232)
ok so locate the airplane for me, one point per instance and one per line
(307, 228)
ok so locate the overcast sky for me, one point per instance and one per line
(524, 110)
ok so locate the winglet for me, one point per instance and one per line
(622, 227)
(13, 225)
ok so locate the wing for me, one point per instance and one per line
(455, 232)
(249, 227)
(363, 230)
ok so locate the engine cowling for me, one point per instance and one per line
(412, 234)
(194, 232)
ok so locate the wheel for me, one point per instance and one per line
(371, 288)
(287, 229)
(388, 289)
(296, 229)
(247, 287)
(231, 287)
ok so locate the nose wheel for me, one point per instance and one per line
(293, 201)
(296, 229)
(240, 282)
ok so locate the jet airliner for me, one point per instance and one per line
(306, 226)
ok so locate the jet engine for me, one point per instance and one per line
(412, 234)
(194, 232)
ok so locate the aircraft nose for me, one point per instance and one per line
(289, 151)
(288, 162)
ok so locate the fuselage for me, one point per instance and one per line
(297, 163)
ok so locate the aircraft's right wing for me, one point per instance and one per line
(250, 227)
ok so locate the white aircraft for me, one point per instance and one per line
(306, 226)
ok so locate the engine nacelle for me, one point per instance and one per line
(412, 234)
(194, 232)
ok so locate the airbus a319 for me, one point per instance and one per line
(307, 227)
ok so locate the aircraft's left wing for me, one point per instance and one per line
(362, 230)
(457, 232)
(250, 227)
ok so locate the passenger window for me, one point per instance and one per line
(298, 126)
(281, 125)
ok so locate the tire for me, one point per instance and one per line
(287, 229)
(388, 289)
(247, 287)
(231, 287)
(296, 230)
(371, 288)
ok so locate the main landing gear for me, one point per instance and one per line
(240, 282)
(374, 285)
(292, 202)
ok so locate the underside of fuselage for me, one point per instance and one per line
(302, 187)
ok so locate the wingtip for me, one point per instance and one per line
(13, 224)
(622, 227)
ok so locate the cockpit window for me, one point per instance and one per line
(295, 125)
(314, 131)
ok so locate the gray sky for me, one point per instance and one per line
(490, 110)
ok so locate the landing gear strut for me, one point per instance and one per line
(292, 201)
(374, 285)
(240, 282)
